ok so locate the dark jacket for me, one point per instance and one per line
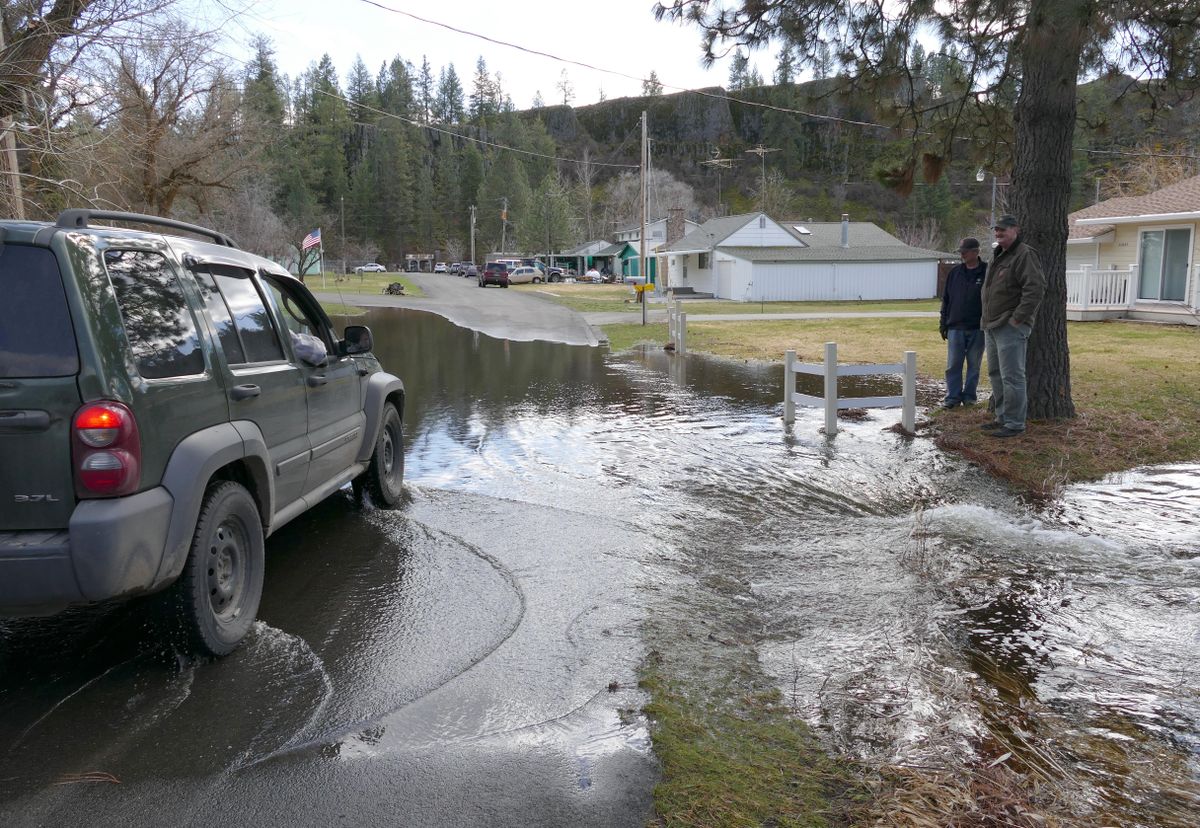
(962, 302)
(1014, 286)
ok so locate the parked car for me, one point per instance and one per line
(525, 276)
(494, 273)
(455, 268)
(440, 267)
(373, 267)
(169, 403)
(470, 270)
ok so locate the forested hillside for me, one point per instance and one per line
(391, 161)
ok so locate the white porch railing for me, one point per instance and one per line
(1091, 289)
(830, 370)
(677, 326)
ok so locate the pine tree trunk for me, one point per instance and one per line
(1045, 129)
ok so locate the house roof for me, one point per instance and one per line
(612, 250)
(632, 227)
(584, 249)
(819, 241)
(861, 253)
(1180, 197)
(708, 235)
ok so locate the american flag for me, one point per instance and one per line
(311, 240)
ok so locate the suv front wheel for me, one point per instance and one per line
(385, 475)
(215, 600)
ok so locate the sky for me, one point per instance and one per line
(617, 35)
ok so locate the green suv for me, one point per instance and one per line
(166, 403)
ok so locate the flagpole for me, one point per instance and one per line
(322, 248)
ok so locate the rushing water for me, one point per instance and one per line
(907, 605)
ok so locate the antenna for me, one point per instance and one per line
(761, 152)
(718, 163)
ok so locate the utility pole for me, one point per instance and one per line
(343, 273)
(761, 152)
(645, 273)
(473, 234)
(504, 226)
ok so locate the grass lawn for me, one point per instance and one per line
(372, 283)
(1136, 388)
(608, 298)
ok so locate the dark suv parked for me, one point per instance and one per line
(166, 404)
(494, 273)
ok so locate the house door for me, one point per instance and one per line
(725, 279)
(1164, 264)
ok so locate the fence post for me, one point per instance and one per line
(681, 333)
(1086, 299)
(789, 387)
(1131, 287)
(831, 389)
(909, 411)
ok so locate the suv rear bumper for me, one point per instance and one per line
(112, 548)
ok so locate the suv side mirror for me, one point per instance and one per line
(357, 340)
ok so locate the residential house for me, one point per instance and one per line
(752, 257)
(1136, 257)
(625, 253)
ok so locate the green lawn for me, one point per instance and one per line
(608, 298)
(361, 283)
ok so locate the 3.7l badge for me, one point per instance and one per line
(42, 498)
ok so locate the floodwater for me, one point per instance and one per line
(563, 502)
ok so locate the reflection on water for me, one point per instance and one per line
(1067, 637)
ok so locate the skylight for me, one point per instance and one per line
(801, 229)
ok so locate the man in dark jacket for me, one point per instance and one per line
(962, 306)
(1012, 292)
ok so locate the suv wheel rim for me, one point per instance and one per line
(226, 570)
(387, 455)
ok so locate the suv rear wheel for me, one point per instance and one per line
(215, 600)
(385, 475)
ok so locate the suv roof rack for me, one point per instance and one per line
(78, 218)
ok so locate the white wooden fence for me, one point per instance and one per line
(677, 326)
(830, 401)
(1091, 289)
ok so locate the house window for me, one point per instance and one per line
(762, 222)
(1163, 264)
(702, 261)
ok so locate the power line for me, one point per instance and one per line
(453, 134)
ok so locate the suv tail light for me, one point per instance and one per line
(106, 450)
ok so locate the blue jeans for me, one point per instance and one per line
(960, 346)
(1006, 370)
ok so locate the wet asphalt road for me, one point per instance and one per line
(494, 311)
(469, 659)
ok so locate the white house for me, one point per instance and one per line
(1136, 257)
(752, 257)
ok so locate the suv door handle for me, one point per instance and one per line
(317, 379)
(245, 392)
(362, 371)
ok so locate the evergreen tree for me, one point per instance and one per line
(739, 71)
(652, 87)
(483, 92)
(785, 70)
(425, 91)
(448, 105)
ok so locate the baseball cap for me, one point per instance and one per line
(1006, 221)
(969, 243)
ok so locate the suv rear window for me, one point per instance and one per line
(158, 321)
(36, 336)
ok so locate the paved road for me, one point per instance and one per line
(508, 314)
(504, 314)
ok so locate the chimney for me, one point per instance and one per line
(845, 229)
(675, 225)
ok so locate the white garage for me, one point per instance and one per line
(753, 258)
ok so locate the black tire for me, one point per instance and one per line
(215, 600)
(537, 280)
(385, 475)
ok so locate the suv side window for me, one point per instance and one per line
(158, 322)
(36, 337)
(244, 326)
